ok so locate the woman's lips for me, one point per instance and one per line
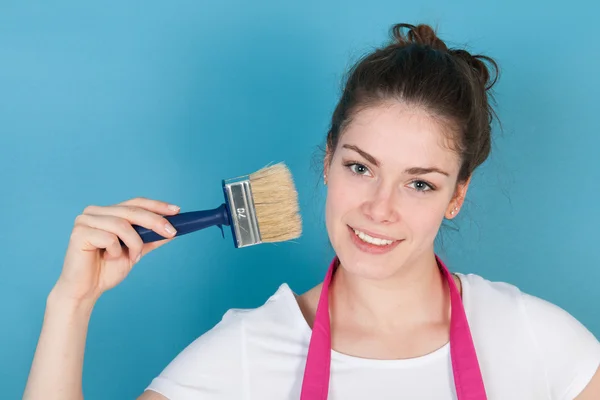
(369, 247)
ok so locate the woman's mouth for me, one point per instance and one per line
(370, 243)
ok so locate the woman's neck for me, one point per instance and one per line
(416, 296)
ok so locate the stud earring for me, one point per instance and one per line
(325, 179)
(454, 211)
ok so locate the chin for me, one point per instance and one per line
(368, 266)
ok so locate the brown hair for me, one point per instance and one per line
(419, 69)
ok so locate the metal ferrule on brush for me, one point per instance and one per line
(244, 224)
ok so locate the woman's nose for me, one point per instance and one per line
(381, 207)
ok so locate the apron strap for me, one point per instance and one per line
(315, 385)
(465, 367)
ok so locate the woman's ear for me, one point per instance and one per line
(458, 199)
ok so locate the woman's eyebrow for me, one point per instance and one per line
(363, 153)
(425, 170)
(411, 171)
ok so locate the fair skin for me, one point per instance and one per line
(392, 305)
(94, 263)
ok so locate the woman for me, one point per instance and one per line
(389, 321)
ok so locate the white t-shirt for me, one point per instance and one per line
(527, 349)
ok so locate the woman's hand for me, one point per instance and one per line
(95, 260)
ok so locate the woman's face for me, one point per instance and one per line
(393, 178)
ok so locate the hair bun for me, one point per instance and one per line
(424, 35)
(478, 65)
(420, 34)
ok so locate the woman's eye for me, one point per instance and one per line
(358, 169)
(421, 186)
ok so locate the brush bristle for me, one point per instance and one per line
(276, 202)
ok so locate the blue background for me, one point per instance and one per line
(104, 101)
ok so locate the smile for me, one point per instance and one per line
(372, 240)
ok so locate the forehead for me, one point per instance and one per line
(401, 135)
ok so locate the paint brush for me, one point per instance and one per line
(260, 208)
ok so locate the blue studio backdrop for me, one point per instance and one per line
(104, 101)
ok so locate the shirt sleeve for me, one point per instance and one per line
(211, 367)
(570, 352)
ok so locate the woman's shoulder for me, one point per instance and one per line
(216, 360)
(507, 322)
(474, 285)
(279, 312)
(486, 301)
(481, 295)
(497, 299)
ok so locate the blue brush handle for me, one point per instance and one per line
(188, 222)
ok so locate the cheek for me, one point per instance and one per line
(338, 202)
(425, 217)
(342, 200)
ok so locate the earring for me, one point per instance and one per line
(325, 179)
(454, 211)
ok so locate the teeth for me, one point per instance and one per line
(376, 241)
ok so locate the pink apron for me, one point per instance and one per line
(465, 367)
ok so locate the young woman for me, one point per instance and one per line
(389, 321)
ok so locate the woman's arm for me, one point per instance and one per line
(57, 365)
(592, 390)
(95, 262)
(150, 395)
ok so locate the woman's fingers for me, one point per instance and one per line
(136, 216)
(88, 238)
(119, 228)
(156, 206)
